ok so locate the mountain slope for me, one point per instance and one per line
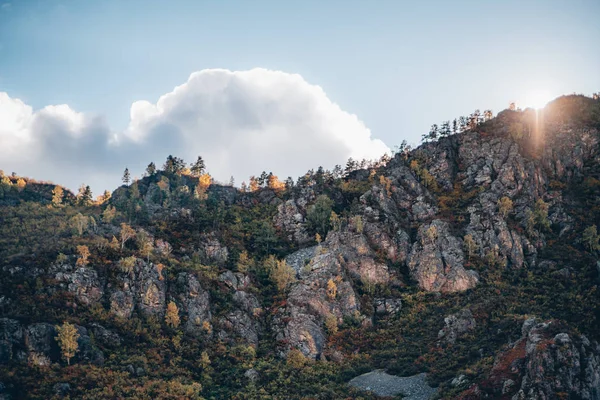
(434, 261)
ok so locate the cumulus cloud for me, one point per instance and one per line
(240, 122)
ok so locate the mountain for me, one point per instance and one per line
(472, 258)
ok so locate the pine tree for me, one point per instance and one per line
(198, 167)
(84, 196)
(151, 169)
(173, 165)
(67, 340)
(126, 176)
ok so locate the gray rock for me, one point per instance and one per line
(61, 389)
(410, 388)
(387, 306)
(436, 260)
(83, 282)
(252, 375)
(104, 336)
(11, 340)
(457, 325)
(194, 303)
(41, 344)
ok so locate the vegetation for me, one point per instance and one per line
(176, 221)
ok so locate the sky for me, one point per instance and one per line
(88, 87)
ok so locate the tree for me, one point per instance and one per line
(57, 196)
(127, 232)
(540, 214)
(357, 223)
(331, 324)
(470, 245)
(274, 183)
(126, 176)
(127, 264)
(351, 165)
(318, 238)
(151, 169)
(145, 244)
(172, 315)
(67, 340)
(104, 197)
(244, 262)
(319, 214)
(281, 274)
(173, 165)
(331, 289)
(84, 196)
(505, 206)
(84, 253)
(335, 221)
(591, 238)
(109, 214)
(295, 359)
(198, 167)
(254, 186)
(21, 183)
(79, 222)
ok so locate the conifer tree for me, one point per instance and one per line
(126, 176)
(151, 169)
(198, 167)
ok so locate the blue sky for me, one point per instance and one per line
(399, 66)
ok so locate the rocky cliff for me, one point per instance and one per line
(425, 262)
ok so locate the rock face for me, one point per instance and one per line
(194, 303)
(41, 345)
(545, 363)
(436, 260)
(144, 288)
(290, 220)
(11, 341)
(83, 282)
(37, 345)
(242, 322)
(300, 323)
(457, 325)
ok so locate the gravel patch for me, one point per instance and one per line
(382, 384)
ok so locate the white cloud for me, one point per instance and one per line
(241, 122)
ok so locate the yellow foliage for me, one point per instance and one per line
(84, 253)
(172, 315)
(331, 289)
(67, 340)
(295, 359)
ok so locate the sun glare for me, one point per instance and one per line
(536, 99)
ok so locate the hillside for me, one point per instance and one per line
(472, 258)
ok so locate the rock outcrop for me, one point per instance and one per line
(194, 304)
(436, 260)
(545, 363)
(456, 325)
(243, 321)
(301, 323)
